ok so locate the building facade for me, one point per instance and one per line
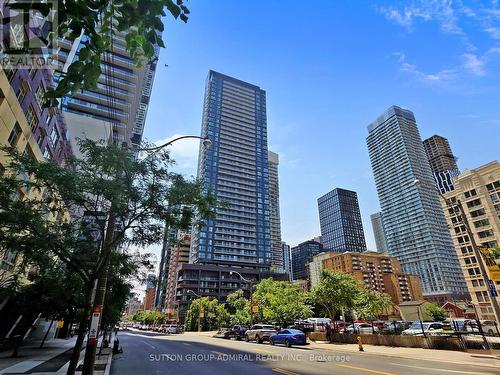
(287, 259)
(122, 94)
(316, 267)
(378, 231)
(179, 254)
(340, 220)
(478, 192)
(376, 271)
(302, 254)
(442, 161)
(277, 264)
(413, 221)
(236, 169)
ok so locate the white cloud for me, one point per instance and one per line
(184, 152)
(474, 64)
(440, 76)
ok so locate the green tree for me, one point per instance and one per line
(281, 301)
(336, 292)
(371, 303)
(79, 216)
(140, 19)
(209, 308)
(437, 313)
(238, 307)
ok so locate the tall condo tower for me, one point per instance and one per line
(413, 220)
(340, 220)
(236, 169)
(121, 98)
(277, 264)
(443, 162)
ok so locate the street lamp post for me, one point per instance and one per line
(206, 143)
(199, 312)
(477, 252)
(250, 284)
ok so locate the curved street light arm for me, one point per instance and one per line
(206, 142)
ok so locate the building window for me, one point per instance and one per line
(470, 193)
(39, 95)
(14, 135)
(31, 118)
(22, 91)
(54, 136)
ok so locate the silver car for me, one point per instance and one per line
(259, 333)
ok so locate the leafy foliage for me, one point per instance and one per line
(281, 302)
(370, 303)
(336, 292)
(437, 313)
(214, 314)
(99, 21)
(238, 307)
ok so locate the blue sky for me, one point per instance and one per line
(329, 69)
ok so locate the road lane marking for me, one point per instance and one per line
(147, 343)
(437, 369)
(218, 353)
(283, 371)
(367, 370)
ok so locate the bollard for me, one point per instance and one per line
(360, 344)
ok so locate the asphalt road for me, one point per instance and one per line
(148, 353)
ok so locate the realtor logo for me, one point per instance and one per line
(28, 33)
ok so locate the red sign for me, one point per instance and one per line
(97, 309)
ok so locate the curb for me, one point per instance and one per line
(108, 364)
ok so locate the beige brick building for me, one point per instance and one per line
(377, 271)
(478, 190)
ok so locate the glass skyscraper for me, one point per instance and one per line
(340, 221)
(378, 232)
(236, 169)
(413, 220)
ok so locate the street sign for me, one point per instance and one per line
(255, 309)
(60, 323)
(94, 325)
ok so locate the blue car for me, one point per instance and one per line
(288, 337)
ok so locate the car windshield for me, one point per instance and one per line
(267, 327)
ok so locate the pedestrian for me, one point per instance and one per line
(328, 332)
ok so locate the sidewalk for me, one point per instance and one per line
(479, 358)
(53, 358)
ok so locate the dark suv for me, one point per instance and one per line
(237, 332)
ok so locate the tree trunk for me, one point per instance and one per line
(82, 329)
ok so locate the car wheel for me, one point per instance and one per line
(288, 344)
(271, 341)
(238, 338)
(490, 332)
(247, 339)
(258, 340)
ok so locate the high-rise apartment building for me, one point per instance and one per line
(477, 191)
(236, 169)
(442, 161)
(122, 94)
(302, 254)
(376, 271)
(378, 231)
(179, 254)
(274, 210)
(439, 154)
(340, 220)
(413, 221)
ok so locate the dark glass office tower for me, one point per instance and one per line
(340, 220)
(235, 168)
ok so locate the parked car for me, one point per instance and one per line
(259, 333)
(237, 332)
(488, 326)
(361, 328)
(288, 337)
(418, 328)
(339, 326)
(172, 328)
(303, 325)
(396, 326)
(320, 323)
